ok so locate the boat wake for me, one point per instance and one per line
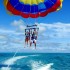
(11, 61)
(34, 65)
(46, 67)
(41, 66)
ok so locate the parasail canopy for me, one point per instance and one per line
(32, 8)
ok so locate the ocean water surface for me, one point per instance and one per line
(35, 61)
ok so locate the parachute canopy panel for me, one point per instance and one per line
(32, 8)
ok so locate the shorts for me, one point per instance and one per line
(27, 39)
(33, 41)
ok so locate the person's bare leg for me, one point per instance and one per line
(27, 40)
(25, 43)
(30, 44)
(35, 44)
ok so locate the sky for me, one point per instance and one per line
(53, 36)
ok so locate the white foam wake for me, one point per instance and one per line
(46, 67)
(40, 66)
(11, 61)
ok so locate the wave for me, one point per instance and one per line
(40, 66)
(11, 61)
(46, 67)
(35, 65)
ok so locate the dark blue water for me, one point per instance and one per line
(42, 61)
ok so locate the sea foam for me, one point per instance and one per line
(11, 61)
(40, 66)
(46, 67)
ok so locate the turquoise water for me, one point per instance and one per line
(42, 61)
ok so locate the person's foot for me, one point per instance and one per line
(30, 44)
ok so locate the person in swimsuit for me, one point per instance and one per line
(27, 37)
(34, 38)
